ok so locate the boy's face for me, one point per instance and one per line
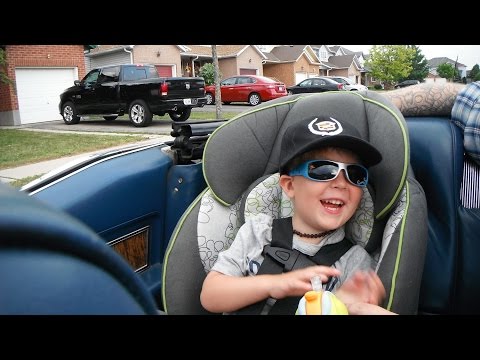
(322, 206)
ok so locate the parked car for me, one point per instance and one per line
(247, 88)
(316, 84)
(406, 83)
(349, 84)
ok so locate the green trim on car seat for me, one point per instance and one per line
(173, 238)
(399, 249)
(406, 161)
(229, 122)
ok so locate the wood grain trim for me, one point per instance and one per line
(133, 248)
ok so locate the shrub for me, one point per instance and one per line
(377, 87)
(207, 71)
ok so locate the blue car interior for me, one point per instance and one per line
(50, 263)
(451, 275)
(54, 258)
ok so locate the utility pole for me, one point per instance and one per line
(218, 94)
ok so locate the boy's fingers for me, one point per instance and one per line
(327, 270)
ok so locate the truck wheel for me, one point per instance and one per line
(209, 97)
(69, 113)
(139, 113)
(110, 118)
(180, 115)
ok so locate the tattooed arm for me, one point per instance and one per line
(426, 99)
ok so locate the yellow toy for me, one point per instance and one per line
(320, 302)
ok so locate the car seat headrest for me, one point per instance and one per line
(248, 146)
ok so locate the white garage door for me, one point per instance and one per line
(39, 90)
(299, 76)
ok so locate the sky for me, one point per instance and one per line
(468, 55)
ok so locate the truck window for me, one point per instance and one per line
(109, 74)
(91, 77)
(152, 72)
(134, 73)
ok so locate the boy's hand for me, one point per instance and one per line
(367, 309)
(363, 286)
(297, 282)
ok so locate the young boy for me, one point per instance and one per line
(313, 154)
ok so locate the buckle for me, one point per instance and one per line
(285, 257)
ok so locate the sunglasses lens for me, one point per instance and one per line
(326, 170)
(357, 175)
(322, 170)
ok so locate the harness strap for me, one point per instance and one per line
(281, 257)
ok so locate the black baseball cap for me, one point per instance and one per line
(321, 131)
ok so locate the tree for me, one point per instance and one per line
(447, 71)
(207, 71)
(419, 65)
(218, 94)
(390, 63)
(474, 72)
(4, 79)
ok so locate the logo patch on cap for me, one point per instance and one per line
(325, 127)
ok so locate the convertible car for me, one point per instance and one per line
(134, 231)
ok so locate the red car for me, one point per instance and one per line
(247, 88)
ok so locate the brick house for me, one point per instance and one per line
(180, 60)
(434, 63)
(232, 59)
(291, 63)
(347, 66)
(294, 63)
(165, 57)
(39, 73)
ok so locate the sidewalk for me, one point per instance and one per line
(37, 169)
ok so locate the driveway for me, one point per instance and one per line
(159, 126)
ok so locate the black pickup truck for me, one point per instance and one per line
(112, 91)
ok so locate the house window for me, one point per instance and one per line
(373, 79)
(323, 55)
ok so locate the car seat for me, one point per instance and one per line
(451, 277)
(240, 165)
(51, 264)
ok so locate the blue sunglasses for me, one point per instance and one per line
(327, 170)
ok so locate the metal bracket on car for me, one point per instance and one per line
(190, 139)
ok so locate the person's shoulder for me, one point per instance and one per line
(472, 91)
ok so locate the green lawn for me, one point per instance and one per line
(20, 147)
(20, 182)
